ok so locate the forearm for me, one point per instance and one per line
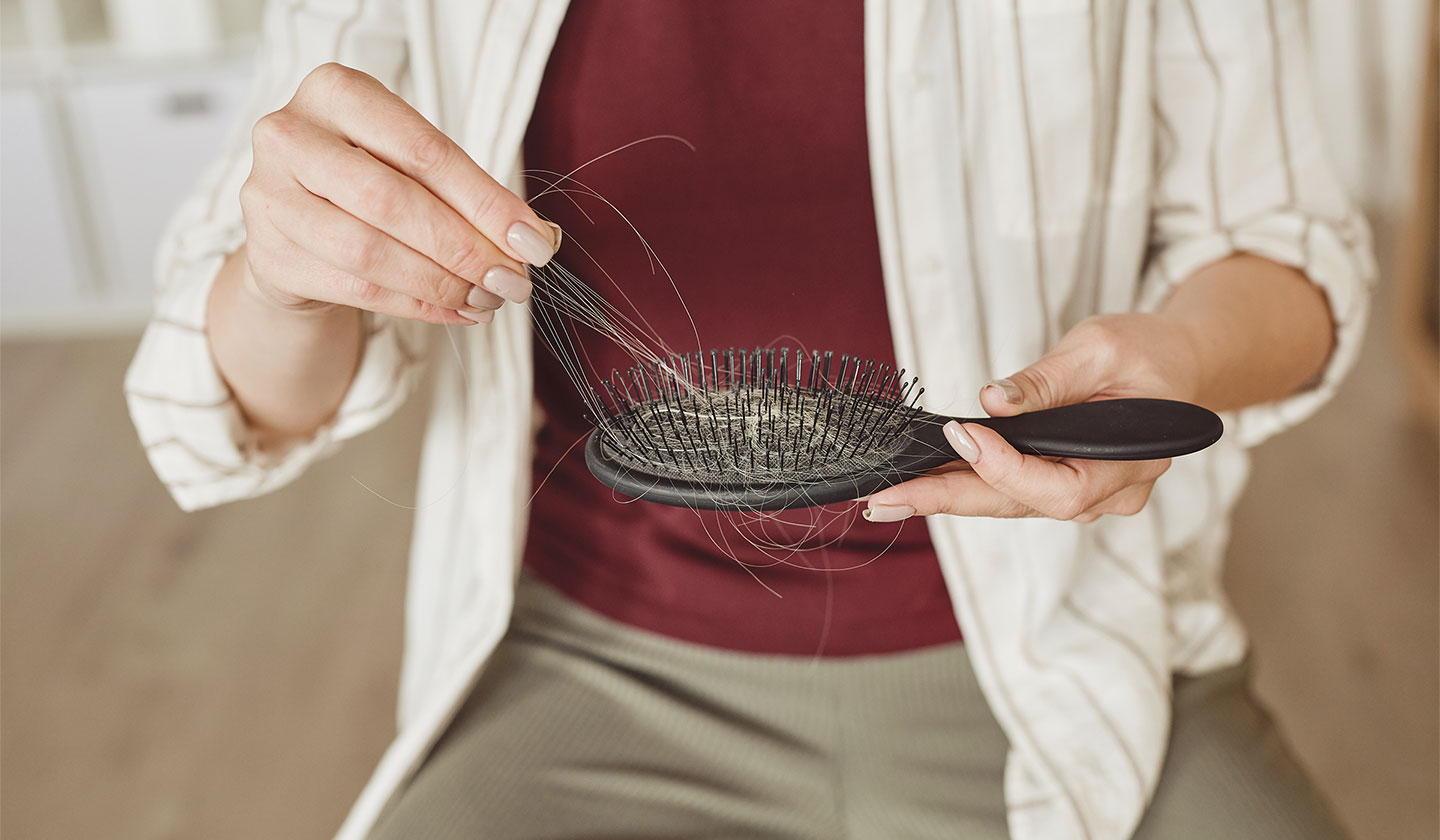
(1256, 330)
(289, 369)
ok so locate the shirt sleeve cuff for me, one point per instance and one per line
(1334, 254)
(193, 431)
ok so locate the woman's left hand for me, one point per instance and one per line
(1104, 357)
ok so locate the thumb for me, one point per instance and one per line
(1064, 376)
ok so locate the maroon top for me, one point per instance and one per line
(768, 230)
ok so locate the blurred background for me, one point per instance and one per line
(159, 682)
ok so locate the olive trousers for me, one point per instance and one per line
(582, 727)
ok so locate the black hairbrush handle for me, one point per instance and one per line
(1131, 429)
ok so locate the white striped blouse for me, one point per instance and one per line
(1034, 162)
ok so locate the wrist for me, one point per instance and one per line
(241, 314)
(288, 367)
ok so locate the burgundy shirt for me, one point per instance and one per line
(768, 230)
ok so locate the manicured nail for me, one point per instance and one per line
(888, 513)
(506, 283)
(1008, 390)
(529, 243)
(961, 442)
(559, 235)
(480, 299)
(479, 316)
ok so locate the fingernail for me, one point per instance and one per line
(479, 299)
(506, 283)
(559, 235)
(529, 243)
(961, 442)
(479, 316)
(888, 513)
(1008, 390)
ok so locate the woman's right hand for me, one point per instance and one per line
(354, 199)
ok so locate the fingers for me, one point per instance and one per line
(353, 180)
(1095, 357)
(963, 493)
(1064, 489)
(1064, 376)
(365, 112)
(956, 492)
(326, 283)
(1005, 483)
(359, 251)
(395, 216)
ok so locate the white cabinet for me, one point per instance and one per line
(98, 145)
(143, 141)
(42, 268)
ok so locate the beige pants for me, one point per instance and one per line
(582, 727)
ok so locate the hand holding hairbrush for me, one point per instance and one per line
(760, 430)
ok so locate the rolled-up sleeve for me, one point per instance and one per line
(191, 427)
(1241, 167)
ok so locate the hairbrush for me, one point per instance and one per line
(760, 430)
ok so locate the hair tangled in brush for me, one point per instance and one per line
(734, 417)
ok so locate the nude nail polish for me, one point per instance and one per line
(479, 316)
(507, 284)
(559, 235)
(529, 243)
(961, 442)
(888, 513)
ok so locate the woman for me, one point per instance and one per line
(1029, 204)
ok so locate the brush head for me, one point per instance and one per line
(734, 430)
(753, 430)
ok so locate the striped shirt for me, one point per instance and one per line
(1033, 162)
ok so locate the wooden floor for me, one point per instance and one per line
(230, 674)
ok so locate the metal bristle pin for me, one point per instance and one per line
(761, 430)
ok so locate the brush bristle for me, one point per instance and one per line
(739, 418)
